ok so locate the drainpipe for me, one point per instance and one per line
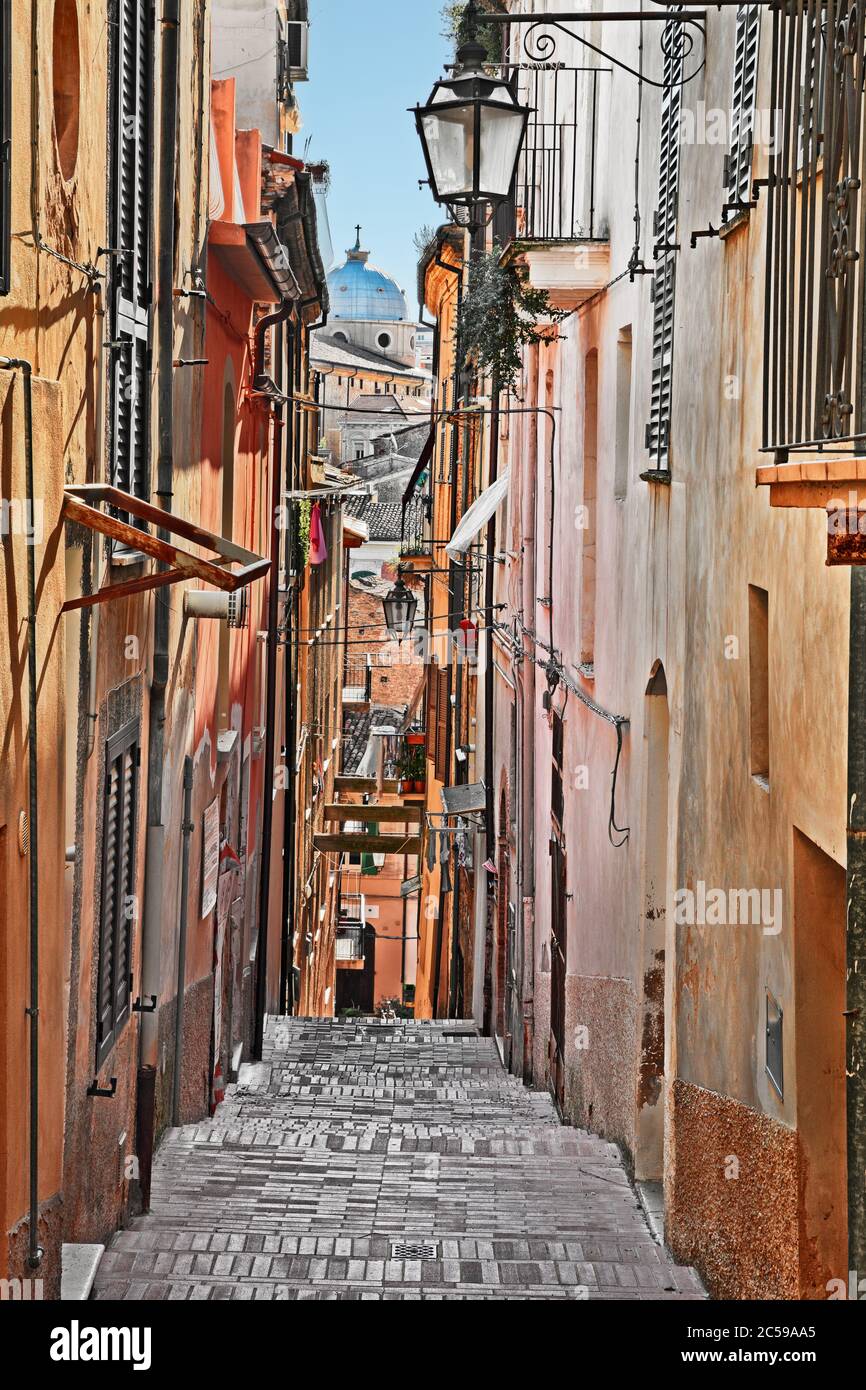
(489, 819)
(855, 1006)
(526, 849)
(100, 336)
(187, 829)
(456, 271)
(155, 842)
(280, 316)
(287, 937)
(35, 1251)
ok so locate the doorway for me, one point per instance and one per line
(558, 921)
(819, 1057)
(653, 1025)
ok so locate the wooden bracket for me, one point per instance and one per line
(81, 504)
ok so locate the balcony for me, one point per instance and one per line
(349, 947)
(554, 222)
(357, 679)
(814, 332)
(814, 416)
(416, 545)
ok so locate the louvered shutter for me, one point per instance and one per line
(126, 879)
(664, 273)
(105, 987)
(130, 210)
(120, 806)
(738, 165)
(443, 708)
(5, 143)
(431, 715)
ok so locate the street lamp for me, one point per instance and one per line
(471, 130)
(400, 605)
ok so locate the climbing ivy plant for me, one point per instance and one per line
(302, 534)
(500, 315)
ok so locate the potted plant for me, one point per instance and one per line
(419, 767)
(405, 769)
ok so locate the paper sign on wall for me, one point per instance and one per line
(210, 858)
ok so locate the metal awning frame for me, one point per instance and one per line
(81, 504)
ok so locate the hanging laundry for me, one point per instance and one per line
(318, 548)
(445, 883)
(445, 860)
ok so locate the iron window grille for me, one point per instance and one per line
(663, 284)
(814, 363)
(5, 144)
(117, 901)
(738, 161)
(130, 188)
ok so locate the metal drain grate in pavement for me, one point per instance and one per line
(414, 1250)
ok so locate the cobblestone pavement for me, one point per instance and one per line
(354, 1139)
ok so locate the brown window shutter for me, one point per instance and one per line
(443, 709)
(120, 810)
(431, 715)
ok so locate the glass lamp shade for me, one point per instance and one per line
(400, 605)
(471, 131)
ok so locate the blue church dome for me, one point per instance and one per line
(360, 291)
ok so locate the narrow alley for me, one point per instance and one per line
(362, 1159)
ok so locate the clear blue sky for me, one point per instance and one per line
(369, 61)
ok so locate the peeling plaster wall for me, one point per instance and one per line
(672, 566)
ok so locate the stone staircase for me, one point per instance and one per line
(363, 1159)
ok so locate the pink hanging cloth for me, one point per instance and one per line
(318, 549)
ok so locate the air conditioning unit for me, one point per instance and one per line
(293, 53)
(231, 607)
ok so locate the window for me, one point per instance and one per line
(438, 708)
(66, 82)
(759, 684)
(5, 143)
(557, 798)
(129, 222)
(664, 273)
(622, 439)
(119, 811)
(359, 451)
(384, 340)
(588, 517)
(738, 163)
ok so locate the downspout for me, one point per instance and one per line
(99, 407)
(287, 936)
(187, 829)
(458, 612)
(526, 839)
(280, 316)
(35, 1251)
(440, 919)
(855, 1006)
(489, 819)
(155, 843)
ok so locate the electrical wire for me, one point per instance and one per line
(558, 675)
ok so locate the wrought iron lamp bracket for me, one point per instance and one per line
(690, 34)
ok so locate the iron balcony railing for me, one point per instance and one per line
(557, 190)
(416, 537)
(815, 291)
(357, 678)
(349, 941)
